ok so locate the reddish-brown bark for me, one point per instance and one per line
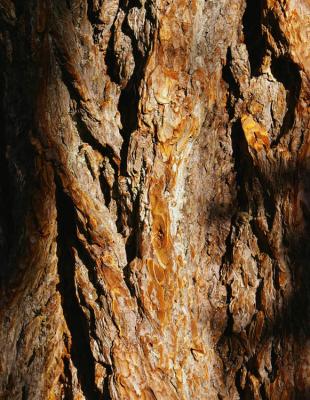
(154, 211)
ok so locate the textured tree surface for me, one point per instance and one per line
(154, 199)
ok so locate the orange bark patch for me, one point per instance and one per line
(161, 237)
(255, 134)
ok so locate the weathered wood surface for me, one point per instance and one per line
(154, 215)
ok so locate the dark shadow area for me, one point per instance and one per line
(256, 186)
(16, 153)
(291, 318)
(80, 349)
(5, 189)
(252, 30)
(129, 98)
(287, 72)
(234, 90)
(271, 20)
(243, 165)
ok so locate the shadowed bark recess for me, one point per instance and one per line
(154, 199)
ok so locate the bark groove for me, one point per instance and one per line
(154, 199)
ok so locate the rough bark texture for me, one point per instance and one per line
(154, 215)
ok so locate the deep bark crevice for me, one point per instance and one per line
(274, 360)
(238, 383)
(129, 98)
(25, 392)
(243, 165)
(66, 379)
(81, 353)
(106, 191)
(287, 72)
(5, 195)
(230, 319)
(262, 238)
(131, 248)
(77, 115)
(106, 395)
(111, 60)
(263, 392)
(90, 265)
(93, 15)
(89, 139)
(234, 92)
(252, 30)
(17, 88)
(128, 106)
(272, 22)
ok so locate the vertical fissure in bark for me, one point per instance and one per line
(240, 155)
(238, 379)
(262, 239)
(90, 265)
(87, 137)
(282, 67)
(233, 89)
(230, 320)
(243, 165)
(249, 180)
(106, 395)
(92, 330)
(252, 30)
(25, 392)
(93, 15)
(66, 379)
(5, 193)
(131, 248)
(273, 360)
(82, 129)
(298, 312)
(128, 107)
(129, 102)
(263, 392)
(106, 191)
(243, 169)
(17, 87)
(110, 58)
(80, 350)
(272, 22)
(129, 98)
(287, 72)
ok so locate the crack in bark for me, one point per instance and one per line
(83, 131)
(67, 379)
(283, 68)
(252, 30)
(80, 351)
(234, 92)
(130, 96)
(287, 72)
(247, 173)
(128, 107)
(87, 137)
(5, 199)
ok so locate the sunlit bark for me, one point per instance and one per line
(154, 199)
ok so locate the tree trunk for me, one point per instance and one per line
(154, 215)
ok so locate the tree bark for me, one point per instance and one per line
(154, 199)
